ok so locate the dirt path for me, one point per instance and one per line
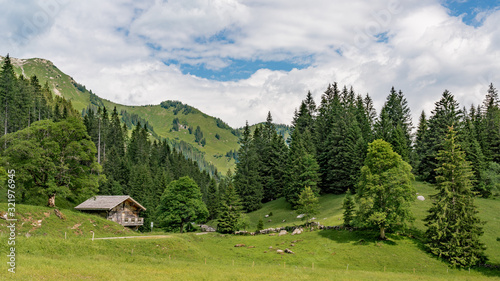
(144, 237)
(137, 237)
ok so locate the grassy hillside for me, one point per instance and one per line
(36, 221)
(342, 255)
(331, 214)
(160, 118)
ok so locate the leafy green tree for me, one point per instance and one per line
(54, 158)
(453, 226)
(307, 204)
(181, 203)
(385, 190)
(349, 208)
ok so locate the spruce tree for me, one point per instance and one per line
(491, 120)
(307, 204)
(349, 208)
(230, 209)
(394, 124)
(420, 147)
(302, 170)
(453, 226)
(445, 114)
(213, 203)
(246, 178)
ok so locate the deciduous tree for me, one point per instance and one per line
(385, 189)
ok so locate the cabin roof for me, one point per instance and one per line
(106, 202)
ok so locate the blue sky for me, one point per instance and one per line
(239, 59)
(236, 69)
(470, 9)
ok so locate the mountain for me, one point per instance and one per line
(171, 120)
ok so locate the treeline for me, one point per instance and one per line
(178, 107)
(329, 142)
(44, 141)
(136, 165)
(25, 100)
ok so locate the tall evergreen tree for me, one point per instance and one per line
(445, 114)
(394, 124)
(420, 147)
(272, 152)
(230, 209)
(453, 226)
(302, 170)
(213, 202)
(349, 209)
(491, 133)
(246, 179)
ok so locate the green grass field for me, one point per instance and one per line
(343, 255)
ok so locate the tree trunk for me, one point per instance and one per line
(52, 200)
(182, 226)
(382, 233)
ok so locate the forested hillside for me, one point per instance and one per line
(171, 120)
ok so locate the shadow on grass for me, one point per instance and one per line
(358, 237)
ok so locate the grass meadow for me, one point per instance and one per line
(318, 255)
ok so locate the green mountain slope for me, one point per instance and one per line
(218, 135)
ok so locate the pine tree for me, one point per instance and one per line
(394, 124)
(307, 204)
(246, 179)
(8, 87)
(453, 226)
(213, 203)
(420, 147)
(445, 114)
(272, 152)
(491, 133)
(349, 208)
(473, 153)
(302, 170)
(230, 209)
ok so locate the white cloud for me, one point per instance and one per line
(104, 45)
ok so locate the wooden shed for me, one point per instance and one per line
(122, 209)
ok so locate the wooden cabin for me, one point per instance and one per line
(122, 209)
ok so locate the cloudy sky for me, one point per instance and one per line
(239, 59)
